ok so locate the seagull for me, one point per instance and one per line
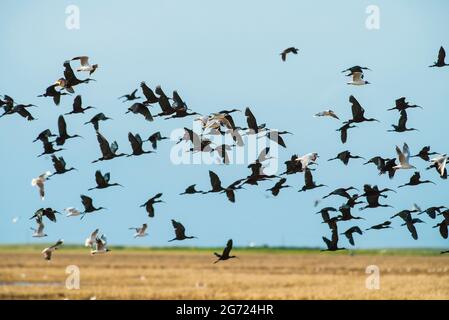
(225, 255)
(357, 79)
(100, 245)
(327, 113)
(439, 163)
(287, 51)
(85, 66)
(440, 62)
(91, 239)
(39, 232)
(47, 252)
(403, 157)
(140, 231)
(308, 159)
(179, 231)
(39, 182)
(72, 212)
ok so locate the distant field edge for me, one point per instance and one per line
(265, 249)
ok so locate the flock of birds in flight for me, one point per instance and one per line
(222, 123)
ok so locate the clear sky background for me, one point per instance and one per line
(222, 55)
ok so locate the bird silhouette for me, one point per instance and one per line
(103, 181)
(129, 97)
(179, 232)
(309, 184)
(88, 206)
(344, 157)
(149, 204)
(415, 180)
(77, 106)
(440, 61)
(226, 252)
(287, 51)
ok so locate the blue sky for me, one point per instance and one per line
(222, 55)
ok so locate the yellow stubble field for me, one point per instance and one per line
(191, 274)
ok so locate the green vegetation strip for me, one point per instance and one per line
(274, 250)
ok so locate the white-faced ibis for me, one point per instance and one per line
(309, 184)
(96, 119)
(415, 180)
(103, 181)
(88, 206)
(140, 108)
(344, 157)
(149, 204)
(63, 135)
(226, 252)
(60, 165)
(402, 124)
(77, 106)
(285, 52)
(349, 234)
(180, 232)
(108, 152)
(440, 61)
